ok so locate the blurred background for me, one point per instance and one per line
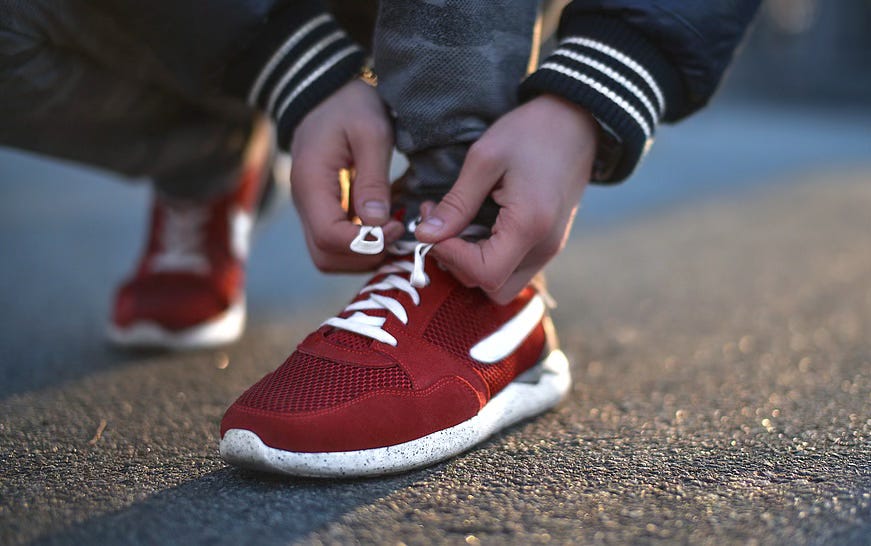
(797, 100)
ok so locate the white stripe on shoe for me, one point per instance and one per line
(503, 342)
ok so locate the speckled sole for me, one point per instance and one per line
(223, 329)
(519, 400)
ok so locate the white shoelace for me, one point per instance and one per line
(182, 240)
(371, 241)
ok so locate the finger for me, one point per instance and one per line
(487, 263)
(516, 282)
(450, 255)
(317, 196)
(426, 209)
(481, 171)
(370, 190)
(393, 230)
(541, 253)
(348, 261)
(341, 263)
(351, 262)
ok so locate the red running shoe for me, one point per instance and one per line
(417, 369)
(188, 291)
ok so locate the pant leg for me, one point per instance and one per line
(58, 97)
(448, 69)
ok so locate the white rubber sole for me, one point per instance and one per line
(519, 400)
(223, 329)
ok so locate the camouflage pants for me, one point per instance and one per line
(448, 69)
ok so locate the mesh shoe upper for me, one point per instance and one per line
(310, 383)
(342, 391)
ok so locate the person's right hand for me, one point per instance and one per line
(350, 129)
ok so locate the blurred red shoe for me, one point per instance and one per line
(188, 291)
(417, 369)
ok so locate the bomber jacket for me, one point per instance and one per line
(635, 63)
(631, 63)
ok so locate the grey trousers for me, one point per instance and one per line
(448, 69)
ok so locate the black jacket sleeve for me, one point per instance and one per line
(297, 56)
(634, 63)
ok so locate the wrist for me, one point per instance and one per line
(610, 68)
(562, 108)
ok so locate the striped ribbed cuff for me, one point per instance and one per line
(616, 74)
(299, 60)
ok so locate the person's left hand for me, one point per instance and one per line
(535, 162)
(350, 128)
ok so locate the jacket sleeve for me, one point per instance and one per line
(295, 57)
(635, 63)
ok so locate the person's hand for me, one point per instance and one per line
(535, 162)
(350, 129)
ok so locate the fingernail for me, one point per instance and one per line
(431, 226)
(377, 209)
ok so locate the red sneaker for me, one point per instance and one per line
(188, 291)
(417, 369)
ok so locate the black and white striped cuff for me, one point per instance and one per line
(615, 73)
(295, 65)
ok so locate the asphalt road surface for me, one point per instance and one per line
(722, 364)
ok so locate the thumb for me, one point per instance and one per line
(370, 189)
(457, 209)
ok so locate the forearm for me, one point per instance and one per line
(633, 65)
